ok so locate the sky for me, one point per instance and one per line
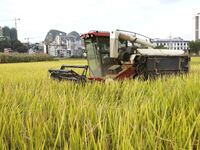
(153, 18)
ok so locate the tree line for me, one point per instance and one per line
(10, 40)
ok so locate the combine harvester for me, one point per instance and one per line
(122, 54)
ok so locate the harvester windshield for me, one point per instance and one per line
(97, 49)
(93, 59)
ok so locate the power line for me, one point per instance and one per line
(15, 21)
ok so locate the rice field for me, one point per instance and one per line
(38, 113)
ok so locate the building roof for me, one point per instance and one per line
(96, 33)
(176, 39)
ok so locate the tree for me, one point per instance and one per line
(17, 46)
(13, 34)
(10, 41)
(10, 34)
(6, 32)
(160, 47)
(4, 44)
(194, 46)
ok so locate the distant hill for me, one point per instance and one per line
(51, 35)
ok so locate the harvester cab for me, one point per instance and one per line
(122, 54)
(97, 49)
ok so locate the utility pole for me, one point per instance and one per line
(27, 41)
(16, 19)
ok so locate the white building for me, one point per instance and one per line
(174, 44)
(65, 46)
(197, 27)
(58, 50)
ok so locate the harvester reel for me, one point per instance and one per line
(69, 74)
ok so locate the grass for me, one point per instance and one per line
(24, 57)
(38, 113)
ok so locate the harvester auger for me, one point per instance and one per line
(122, 54)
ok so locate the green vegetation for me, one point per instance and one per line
(194, 47)
(23, 57)
(10, 33)
(39, 113)
(160, 47)
(9, 40)
(15, 45)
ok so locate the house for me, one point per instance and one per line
(65, 45)
(8, 50)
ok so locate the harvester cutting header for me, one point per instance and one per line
(122, 54)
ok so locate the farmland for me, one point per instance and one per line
(38, 113)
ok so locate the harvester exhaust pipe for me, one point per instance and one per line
(114, 39)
